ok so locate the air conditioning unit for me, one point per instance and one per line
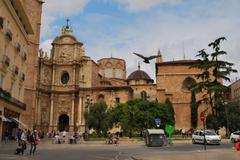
(6, 60)
(22, 76)
(24, 56)
(18, 47)
(9, 34)
(15, 69)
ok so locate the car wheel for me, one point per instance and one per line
(233, 140)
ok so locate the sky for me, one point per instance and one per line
(117, 28)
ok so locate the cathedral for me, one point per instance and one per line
(69, 82)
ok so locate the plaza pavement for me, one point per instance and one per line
(225, 154)
(7, 150)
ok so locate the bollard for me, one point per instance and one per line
(237, 145)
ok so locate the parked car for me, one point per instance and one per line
(210, 137)
(235, 136)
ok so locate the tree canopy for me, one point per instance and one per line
(98, 118)
(213, 72)
(136, 115)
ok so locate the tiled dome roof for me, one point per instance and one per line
(139, 75)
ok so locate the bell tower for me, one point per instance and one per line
(159, 58)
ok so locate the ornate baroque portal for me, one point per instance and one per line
(61, 107)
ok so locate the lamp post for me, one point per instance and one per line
(203, 119)
(226, 114)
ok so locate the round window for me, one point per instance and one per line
(65, 77)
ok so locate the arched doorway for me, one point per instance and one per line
(63, 123)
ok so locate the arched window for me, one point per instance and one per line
(144, 95)
(109, 70)
(65, 77)
(187, 83)
(101, 97)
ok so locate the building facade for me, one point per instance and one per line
(34, 11)
(70, 81)
(15, 28)
(174, 79)
(235, 91)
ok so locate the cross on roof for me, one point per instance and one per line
(67, 23)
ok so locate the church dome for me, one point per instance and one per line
(139, 75)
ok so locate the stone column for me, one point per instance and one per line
(38, 112)
(80, 111)
(72, 113)
(74, 73)
(51, 113)
(53, 77)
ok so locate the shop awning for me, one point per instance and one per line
(4, 119)
(20, 123)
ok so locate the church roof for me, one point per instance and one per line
(178, 62)
(139, 75)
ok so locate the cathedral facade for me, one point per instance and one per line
(69, 81)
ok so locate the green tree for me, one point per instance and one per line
(213, 72)
(98, 118)
(136, 115)
(230, 116)
(170, 112)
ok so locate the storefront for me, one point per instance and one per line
(10, 112)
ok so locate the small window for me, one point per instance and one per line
(117, 100)
(101, 97)
(11, 88)
(1, 22)
(1, 80)
(144, 95)
(188, 83)
(65, 77)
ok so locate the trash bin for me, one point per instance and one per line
(154, 137)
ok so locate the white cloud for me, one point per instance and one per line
(64, 8)
(47, 25)
(174, 35)
(140, 5)
(53, 9)
(46, 45)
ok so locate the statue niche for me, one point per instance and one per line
(46, 76)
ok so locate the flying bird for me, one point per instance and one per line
(147, 59)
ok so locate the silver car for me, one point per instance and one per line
(210, 137)
(235, 136)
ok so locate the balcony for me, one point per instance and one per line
(9, 34)
(15, 70)
(18, 47)
(6, 96)
(1, 22)
(6, 60)
(22, 76)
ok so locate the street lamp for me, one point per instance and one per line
(203, 119)
(226, 114)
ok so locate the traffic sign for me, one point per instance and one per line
(158, 122)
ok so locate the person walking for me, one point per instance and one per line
(6, 136)
(23, 141)
(34, 142)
